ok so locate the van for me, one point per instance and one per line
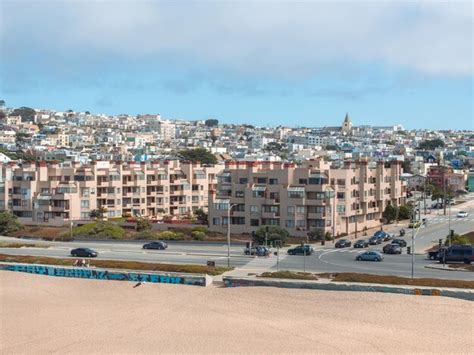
(460, 253)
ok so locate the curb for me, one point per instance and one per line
(436, 267)
(463, 294)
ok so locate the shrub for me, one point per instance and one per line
(9, 223)
(104, 230)
(271, 233)
(201, 229)
(143, 225)
(458, 239)
(147, 234)
(405, 212)
(198, 235)
(390, 213)
(169, 235)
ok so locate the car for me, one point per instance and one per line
(361, 243)
(387, 237)
(343, 243)
(392, 249)
(370, 255)
(301, 250)
(380, 233)
(462, 214)
(414, 224)
(401, 242)
(155, 245)
(460, 253)
(258, 250)
(84, 252)
(375, 240)
(433, 254)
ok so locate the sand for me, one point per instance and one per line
(42, 314)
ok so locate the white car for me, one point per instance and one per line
(462, 214)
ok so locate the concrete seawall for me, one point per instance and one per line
(465, 294)
(109, 274)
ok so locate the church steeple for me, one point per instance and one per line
(347, 119)
(346, 125)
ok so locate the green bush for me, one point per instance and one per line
(405, 212)
(147, 234)
(198, 235)
(271, 233)
(143, 225)
(169, 235)
(9, 223)
(105, 230)
(458, 239)
(201, 229)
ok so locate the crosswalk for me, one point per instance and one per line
(445, 219)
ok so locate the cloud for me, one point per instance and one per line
(264, 40)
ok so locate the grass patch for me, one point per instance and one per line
(470, 237)
(116, 264)
(289, 275)
(396, 280)
(467, 267)
(22, 245)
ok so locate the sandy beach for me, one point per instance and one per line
(42, 314)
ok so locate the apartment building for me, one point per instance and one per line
(41, 192)
(301, 198)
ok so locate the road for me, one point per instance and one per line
(325, 259)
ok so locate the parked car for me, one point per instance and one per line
(380, 233)
(370, 256)
(387, 237)
(343, 243)
(155, 245)
(462, 214)
(301, 250)
(361, 243)
(375, 240)
(392, 249)
(460, 253)
(84, 252)
(433, 255)
(401, 242)
(414, 224)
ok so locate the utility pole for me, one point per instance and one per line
(444, 189)
(228, 234)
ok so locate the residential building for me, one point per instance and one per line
(446, 177)
(313, 195)
(41, 192)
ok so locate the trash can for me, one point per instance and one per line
(323, 242)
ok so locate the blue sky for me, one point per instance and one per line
(262, 62)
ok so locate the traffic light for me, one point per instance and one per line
(440, 242)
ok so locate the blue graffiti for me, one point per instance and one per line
(93, 274)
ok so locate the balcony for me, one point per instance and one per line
(270, 214)
(316, 215)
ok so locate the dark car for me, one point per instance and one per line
(258, 250)
(375, 240)
(361, 243)
(343, 243)
(155, 245)
(84, 252)
(433, 254)
(460, 253)
(380, 233)
(392, 249)
(301, 250)
(401, 242)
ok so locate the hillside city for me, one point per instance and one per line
(62, 166)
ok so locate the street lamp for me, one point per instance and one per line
(331, 192)
(229, 208)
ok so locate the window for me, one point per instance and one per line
(243, 181)
(85, 215)
(303, 181)
(301, 223)
(66, 190)
(261, 180)
(84, 203)
(291, 210)
(254, 222)
(341, 195)
(254, 209)
(239, 194)
(296, 192)
(290, 223)
(300, 209)
(195, 199)
(341, 208)
(216, 221)
(273, 181)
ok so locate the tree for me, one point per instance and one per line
(457, 240)
(98, 213)
(270, 234)
(276, 148)
(431, 144)
(211, 123)
(26, 113)
(102, 230)
(405, 212)
(143, 224)
(390, 213)
(332, 147)
(2, 103)
(406, 165)
(201, 216)
(199, 154)
(9, 223)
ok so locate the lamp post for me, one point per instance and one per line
(331, 192)
(228, 233)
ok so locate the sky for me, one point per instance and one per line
(266, 63)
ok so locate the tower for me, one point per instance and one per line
(346, 125)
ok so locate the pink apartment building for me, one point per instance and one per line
(40, 192)
(301, 198)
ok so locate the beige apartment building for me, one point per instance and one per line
(302, 198)
(40, 192)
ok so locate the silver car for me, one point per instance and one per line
(370, 256)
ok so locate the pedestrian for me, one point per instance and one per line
(83, 263)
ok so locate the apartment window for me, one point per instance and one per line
(273, 181)
(111, 214)
(224, 221)
(119, 201)
(237, 220)
(254, 209)
(66, 190)
(290, 223)
(303, 181)
(254, 222)
(291, 210)
(301, 223)
(84, 203)
(341, 208)
(296, 192)
(300, 209)
(271, 222)
(261, 180)
(216, 221)
(258, 191)
(182, 210)
(341, 182)
(195, 199)
(341, 195)
(243, 181)
(352, 219)
(239, 194)
(2, 204)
